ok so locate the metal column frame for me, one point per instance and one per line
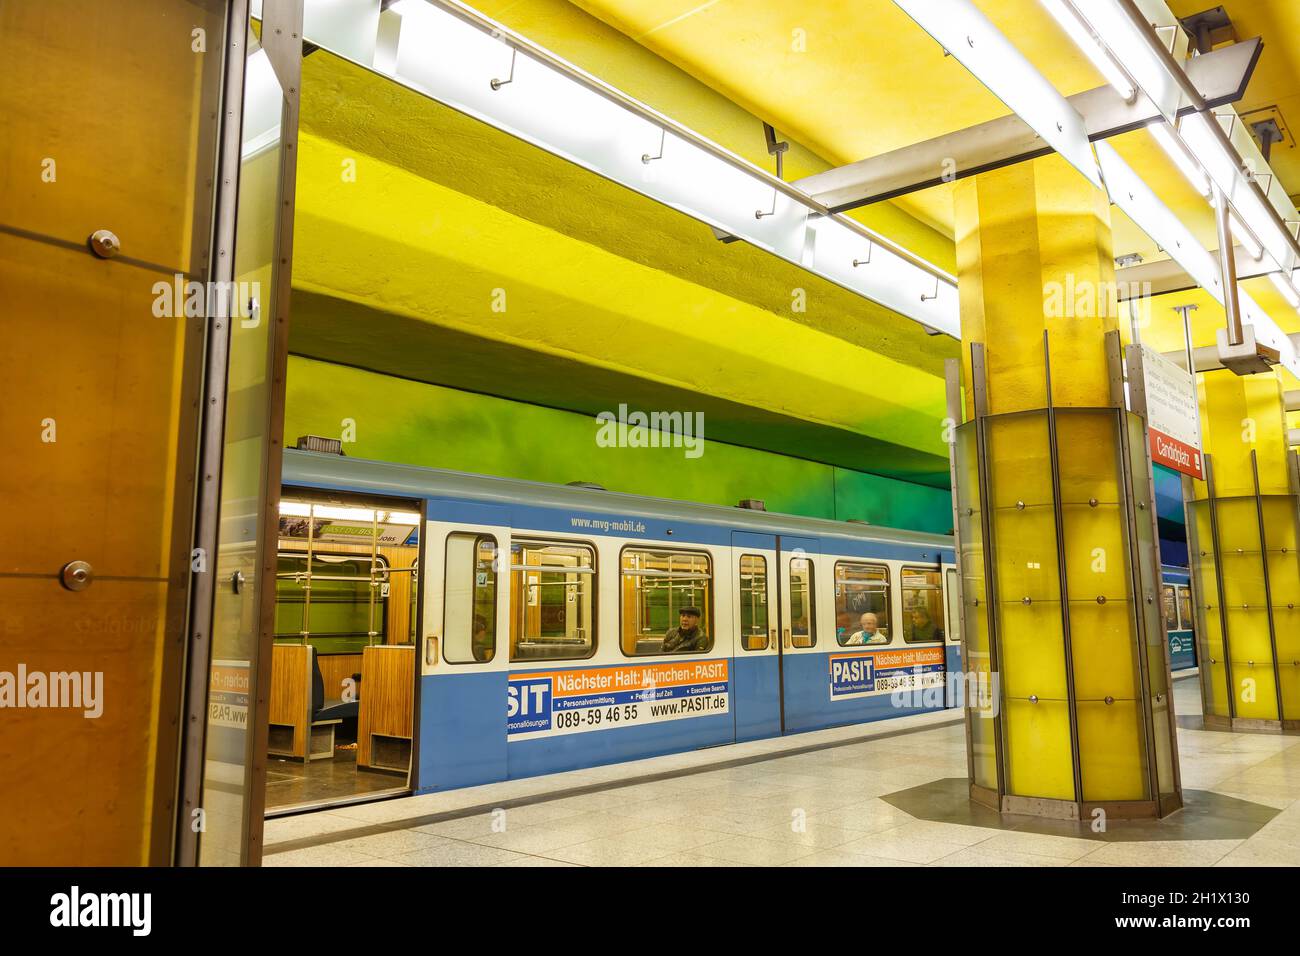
(282, 40)
(1058, 515)
(952, 382)
(1268, 588)
(221, 268)
(979, 395)
(1137, 396)
(1218, 578)
(1139, 615)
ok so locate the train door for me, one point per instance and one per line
(801, 664)
(924, 609)
(467, 642)
(952, 635)
(755, 662)
(343, 664)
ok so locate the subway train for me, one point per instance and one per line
(479, 629)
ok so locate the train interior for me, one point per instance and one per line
(343, 664)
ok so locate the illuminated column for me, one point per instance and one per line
(1243, 539)
(1054, 506)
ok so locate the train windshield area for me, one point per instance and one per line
(343, 664)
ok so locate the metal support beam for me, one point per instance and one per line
(1228, 269)
(1162, 276)
(1220, 77)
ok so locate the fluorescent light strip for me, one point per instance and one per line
(1111, 25)
(1225, 171)
(305, 509)
(1245, 237)
(1082, 34)
(1287, 288)
(1162, 82)
(452, 54)
(972, 39)
(1177, 151)
(1128, 191)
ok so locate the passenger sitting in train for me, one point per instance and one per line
(687, 636)
(481, 642)
(923, 627)
(868, 632)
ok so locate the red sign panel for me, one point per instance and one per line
(1177, 455)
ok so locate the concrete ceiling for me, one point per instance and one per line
(610, 297)
(858, 78)
(622, 299)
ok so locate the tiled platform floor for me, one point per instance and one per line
(806, 800)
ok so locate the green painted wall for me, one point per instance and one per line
(416, 423)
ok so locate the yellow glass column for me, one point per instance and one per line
(1060, 567)
(1244, 535)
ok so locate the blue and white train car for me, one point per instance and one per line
(544, 612)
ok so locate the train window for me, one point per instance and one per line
(658, 587)
(552, 596)
(1185, 607)
(331, 604)
(922, 606)
(861, 604)
(753, 602)
(469, 623)
(803, 609)
(1171, 608)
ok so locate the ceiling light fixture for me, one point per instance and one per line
(1110, 26)
(974, 41)
(1287, 288)
(1245, 237)
(1177, 151)
(1082, 33)
(451, 54)
(1226, 172)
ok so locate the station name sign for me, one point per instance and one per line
(1173, 419)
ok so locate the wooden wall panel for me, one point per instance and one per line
(291, 692)
(336, 668)
(387, 696)
(108, 124)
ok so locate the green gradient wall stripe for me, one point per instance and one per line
(415, 423)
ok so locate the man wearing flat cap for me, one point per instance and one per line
(687, 636)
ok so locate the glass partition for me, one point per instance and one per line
(228, 800)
